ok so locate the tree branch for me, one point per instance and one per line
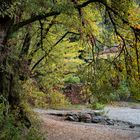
(33, 19)
(47, 53)
(84, 4)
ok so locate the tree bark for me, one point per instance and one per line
(10, 84)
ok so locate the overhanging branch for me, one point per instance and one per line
(84, 4)
(48, 53)
(33, 19)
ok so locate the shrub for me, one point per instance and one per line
(135, 90)
(97, 106)
(34, 96)
(39, 99)
(13, 129)
(57, 100)
(121, 93)
(72, 79)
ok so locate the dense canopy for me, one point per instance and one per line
(51, 43)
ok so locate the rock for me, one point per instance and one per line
(131, 126)
(60, 114)
(92, 114)
(76, 117)
(97, 119)
(109, 122)
(70, 118)
(70, 114)
(57, 114)
(85, 118)
(98, 113)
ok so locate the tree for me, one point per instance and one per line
(26, 26)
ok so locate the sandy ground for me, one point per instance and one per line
(57, 129)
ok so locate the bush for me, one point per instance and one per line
(72, 79)
(57, 100)
(13, 129)
(97, 106)
(34, 96)
(135, 90)
(39, 99)
(123, 91)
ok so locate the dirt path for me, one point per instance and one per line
(57, 129)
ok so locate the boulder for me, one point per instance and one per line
(72, 117)
(109, 122)
(85, 118)
(97, 119)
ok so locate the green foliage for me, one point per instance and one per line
(13, 129)
(123, 91)
(72, 79)
(98, 106)
(62, 38)
(57, 100)
(49, 99)
(135, 90)
(34, 96)
(107, 80)
(62, 55)
(38, 99)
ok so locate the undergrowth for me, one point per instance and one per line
(13, 129)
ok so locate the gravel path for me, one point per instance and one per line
(62, 130)
(124, 114)
(58, 129)
(117, 113)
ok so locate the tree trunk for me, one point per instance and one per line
(10, 84)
